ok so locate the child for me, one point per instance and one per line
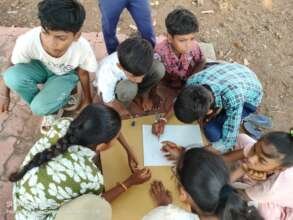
(129, 72)
(203, 186)
(110, 13)
(180, 52)
(60, 167)
(55, 55)
(220, 97)
(267, 167)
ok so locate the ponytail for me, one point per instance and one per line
(231, 206)
(47, 155)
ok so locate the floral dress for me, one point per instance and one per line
(43, 190)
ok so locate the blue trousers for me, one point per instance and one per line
(213, 129)
(111, 11)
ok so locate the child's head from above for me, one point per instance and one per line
(274, 151)
(204, 185)
(136, 57)
(61, 23)
(193, 103)
(181, 26)
(95, 127)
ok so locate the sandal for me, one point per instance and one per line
(73, 102)
(48, 121)
(259, 120)
(253, 130)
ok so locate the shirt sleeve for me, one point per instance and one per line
(231, 126)
(198, 56)
(90, 62)
(21, 51)
(106, 84)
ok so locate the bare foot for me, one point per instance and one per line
(161, 196)
(147, 103)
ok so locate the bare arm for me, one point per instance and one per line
(118, 107)
(138, 177)
(199, 66)
(233, 156)
(4, 90)
(85, 84)
(132, 160)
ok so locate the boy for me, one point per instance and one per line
(129, 72)
(54, 55)
(110, 13)
(220, 97)
(180, 52)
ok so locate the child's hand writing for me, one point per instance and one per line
(158, 127)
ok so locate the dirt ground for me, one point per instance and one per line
(254, 32)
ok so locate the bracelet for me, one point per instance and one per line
(123, 186)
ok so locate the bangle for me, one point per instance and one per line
(123, 186)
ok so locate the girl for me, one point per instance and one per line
(59, 167)
(267, 169)
(204, 187)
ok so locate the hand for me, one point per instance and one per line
(147, 104)
(161, 196)
(172, 150)
(4, 104)
(138, 177)
(132, 162)
(158, 127)
(254, 174)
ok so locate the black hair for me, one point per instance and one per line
(192, 103)
(96, 124)
(181, 21)
(283, 142)
(136, 56)
(61, 15)
(205, 177)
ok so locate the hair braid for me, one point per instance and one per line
(47, 155)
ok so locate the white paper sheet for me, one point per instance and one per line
(183, 135)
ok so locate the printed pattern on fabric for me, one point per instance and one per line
(43, 190)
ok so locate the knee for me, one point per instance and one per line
(213, 133)
(38, 107)
(12, 79)
(126, 91)
(158, 70)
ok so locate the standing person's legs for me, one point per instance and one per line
(110, 13)
(55, 93)
(24, 78)
(155, 75)
(141, 14)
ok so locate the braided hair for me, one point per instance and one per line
(96, 124)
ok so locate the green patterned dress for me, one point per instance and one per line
(43, 190)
